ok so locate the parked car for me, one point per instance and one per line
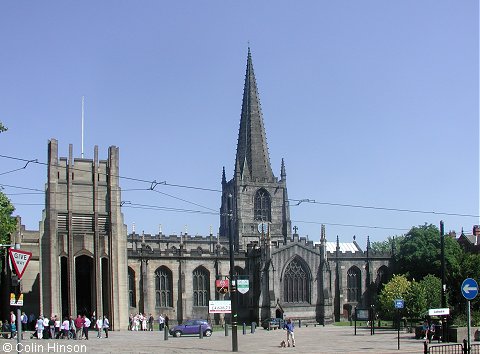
(273, 322)
(191, 327)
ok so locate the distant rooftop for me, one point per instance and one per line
(344, 247)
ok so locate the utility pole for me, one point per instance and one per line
(233, 285)
(444, 285)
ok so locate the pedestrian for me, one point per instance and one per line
(150, 322)
(86, 326)
(51, 327)
(99, 326)
(161, 322)
(425, 329)
(39, 327)
(289, 327)
(79, 322)
(24, 320)
(58, 324)
(32, 321)
(65, 327)
(106, 325)
(46, 328)
(166, 321)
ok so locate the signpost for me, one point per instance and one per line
(399, 304)
(219, 306)
(469, 290)
(19, 260)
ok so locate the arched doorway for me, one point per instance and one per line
(84, 284)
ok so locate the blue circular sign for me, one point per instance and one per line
(469, 288)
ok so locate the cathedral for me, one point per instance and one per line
(84, 260)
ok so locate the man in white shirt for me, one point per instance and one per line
(161, 321)
(86, 326)
(99, 326)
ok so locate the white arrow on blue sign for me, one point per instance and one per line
(469, 289)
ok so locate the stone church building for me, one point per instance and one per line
(85, 261)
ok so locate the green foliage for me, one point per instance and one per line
(3, 128)
(419, 254)
(416, 300)
(7, 222)
(418, 296)
(387, 245)
(396, 288)
(433, 291)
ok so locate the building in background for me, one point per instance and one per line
(84, 261)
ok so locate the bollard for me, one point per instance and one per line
(244, 329)
(252, 328)
(165, 333)
(226, 330)
(200, 332)
(299, 323)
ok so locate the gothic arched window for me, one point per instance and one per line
(354, 284)
(131, 288)
(262, 206)
(382, 277)
(201, 281)
(163, 287)
(296, 283)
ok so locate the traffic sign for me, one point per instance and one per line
(16, 301)
(219, 306)
(399, 304)
(19, 260)
(243, 286)
(469, 288)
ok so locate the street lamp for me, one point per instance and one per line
(233, 286)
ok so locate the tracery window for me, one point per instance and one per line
(296, 288)
(262, 206)
(201, 281)
(131, 288)
(354, 284)
(163, 287)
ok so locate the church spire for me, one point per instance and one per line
(252, 158)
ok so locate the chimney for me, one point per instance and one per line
(476, 233)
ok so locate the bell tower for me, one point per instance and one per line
(254, 201)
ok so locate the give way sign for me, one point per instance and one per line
(19, 260)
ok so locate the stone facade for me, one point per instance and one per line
(84, 260)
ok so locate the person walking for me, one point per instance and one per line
(166, 322)
(39, 327)
(106, 325)
(290, 327)
(99, 326)
(79, 322)
(161, 322)
(86, 326)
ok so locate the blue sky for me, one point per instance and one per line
(370, 103)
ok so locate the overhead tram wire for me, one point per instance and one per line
(312, 201)
(298, 201)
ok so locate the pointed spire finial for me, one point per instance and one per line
(283, 173)
(224, 178)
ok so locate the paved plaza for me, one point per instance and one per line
(329, 339)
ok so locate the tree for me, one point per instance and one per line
(3, 128)
(387, 245)
(419, 254)
(416, 300)
(396, 288)
(7, 227)
(433, 291)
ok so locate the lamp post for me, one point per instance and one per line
(233, 285)
(444, 285)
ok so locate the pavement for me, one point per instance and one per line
(328, 339)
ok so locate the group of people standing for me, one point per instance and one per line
(55, 328)
(142, 322)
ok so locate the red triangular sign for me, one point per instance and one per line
(19, 260)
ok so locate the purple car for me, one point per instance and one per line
(191, 327)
